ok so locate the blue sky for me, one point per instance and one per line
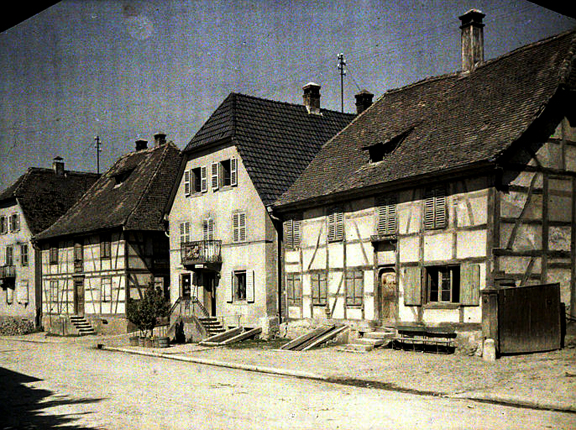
(124, 70)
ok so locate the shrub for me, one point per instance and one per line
(146, 312)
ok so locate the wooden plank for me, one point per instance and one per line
(242, 336)
(304, 338)
(322, 339)
(303, 346)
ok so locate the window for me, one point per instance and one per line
(435, 215)
(24, 255)
(294, 289)
(239, 227)
(239, 280)
(387, 219)
(208, 229)
(224, 173)
(198, 180)
(78, 251)
(105, 246)
(443, 284)
(3, 225)
(9, 260)
(292, 233)
(54, 295)
(319, 288)
(53, 254)
(106, 293)
(354, 287)
(335, 225)
(184, 232)
(9, 294)
(15, 222)
(186, 285)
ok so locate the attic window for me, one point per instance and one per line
(120, 177)
(379, 150)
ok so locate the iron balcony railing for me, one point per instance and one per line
(7, 272)
(201, 252)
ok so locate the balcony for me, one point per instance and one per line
(7, 272)
(201, 252)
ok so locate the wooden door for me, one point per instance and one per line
(79, 296)
(209, 283)
(387, 284)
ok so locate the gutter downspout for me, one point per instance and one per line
(278, 222)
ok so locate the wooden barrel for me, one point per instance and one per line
(163, 342)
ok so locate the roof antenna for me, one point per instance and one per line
(98, 150)
(342, 68)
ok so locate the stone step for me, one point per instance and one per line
(356, 347)
(379, 335)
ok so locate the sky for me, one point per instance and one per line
(125, 70)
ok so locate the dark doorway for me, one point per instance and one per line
(209, 284)
(79, 297)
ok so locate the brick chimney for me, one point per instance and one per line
(311, 97)
(159, 139)
(141, 144)
(363, 101)
(472, 39)
(58, 166)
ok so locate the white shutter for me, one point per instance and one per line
(235, 227)
(187, 183)
(296, 233)
(288, 236)
(203, 179)
(215, 175)
(412, 285)
(339, 226)
(233, 171)
(250, 286)
(230, 289)
(23, 294)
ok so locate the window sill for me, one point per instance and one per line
(442, 306)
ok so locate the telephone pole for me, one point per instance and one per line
(342, 68)
(98, 150)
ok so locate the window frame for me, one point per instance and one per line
(208, 228)
(14, 223)
(24, 258)
(238, 276)
(387, 216)
(292, 233)
(105, 247)
(435, 280)
(435, 216)
(335, 231)
(184, 227)
(3, 224)
(106, 290)
(294, 289)
(9, 255)
(239, 230)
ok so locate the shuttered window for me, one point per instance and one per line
(184, 232)
(294, 289)
(24, 255)
(208, 229)
(15, 222)
(387, 224)
(292, 233)
(9, 295)
(319, 285)
(23, 293)
(435, 214)
(335, 225)
(233, 172)
(470, 284)
(203, 179)
(242, 286)
(239, 227)
(187, 183)
(354, 287)
(105, 246)
(3, 225)
(54, 254)
(106, 290)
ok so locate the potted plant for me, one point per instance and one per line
(146, 312)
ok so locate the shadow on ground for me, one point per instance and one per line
(22, 407)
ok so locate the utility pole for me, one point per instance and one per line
(342, 68)
(98, 150)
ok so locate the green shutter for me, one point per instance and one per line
(412, 284)
(470, 284)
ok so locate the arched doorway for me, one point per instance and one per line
(388, 295)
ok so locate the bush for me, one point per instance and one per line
(16, 327)
(146, 312)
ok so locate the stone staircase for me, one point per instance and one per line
(370, 340)
(212, 326)
(82, 325)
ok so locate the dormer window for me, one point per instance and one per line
(120, 178)
(379, 150)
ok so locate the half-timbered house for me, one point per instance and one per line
(438, 190)
(223, 242)
(111, 245)
(33, 203)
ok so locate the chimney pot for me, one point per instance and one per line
(311, 97)
(472, 39)
(363, 101)
(141, 144)
(159, 139)
(58, 166)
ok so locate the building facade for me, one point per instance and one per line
(111, 245)
(35, 201)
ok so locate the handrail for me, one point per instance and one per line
(201, 306)
(181, 301)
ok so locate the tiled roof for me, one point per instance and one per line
(45, 196)
(276, 140)
(131, 195)
(442, 123)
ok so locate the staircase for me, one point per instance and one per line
(371, 340)
(82, 325)
(211, 325)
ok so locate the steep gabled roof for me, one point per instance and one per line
(446, 122)
(45, 196)
(276, 140)
(131, 195)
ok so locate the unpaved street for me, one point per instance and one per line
(45, 385)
